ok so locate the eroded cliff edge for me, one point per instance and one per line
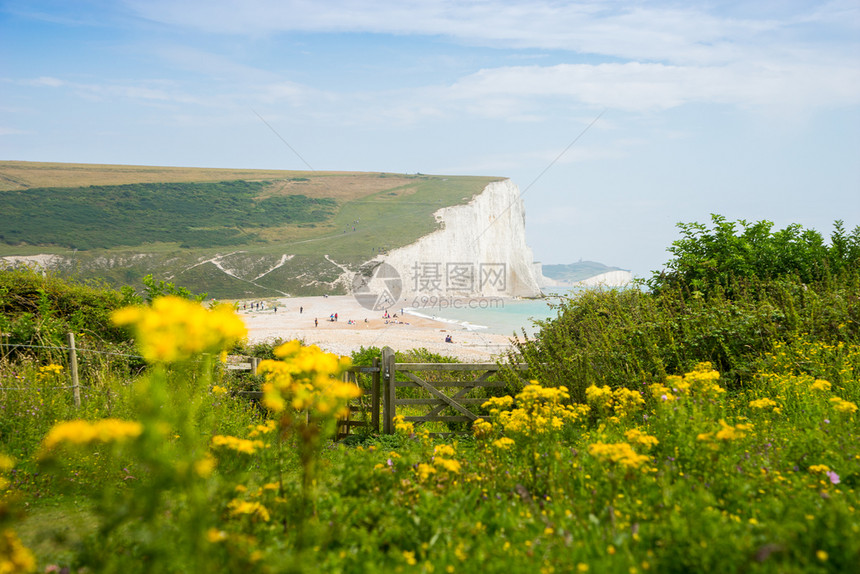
(479, 251)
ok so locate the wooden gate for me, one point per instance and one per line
(365, 411)
(477, 375)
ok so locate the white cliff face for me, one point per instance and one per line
(618, 278)
(480, 251)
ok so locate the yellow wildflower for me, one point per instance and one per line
(482, 428)
(443, 450)
(175, 329)
(14, 556)
(843, 406)
(448, 464)
(503, 443)
(821, 385)
(257, 430)
(424, 471)
(598, 397)
(639, 438)
(617, 453)
(764, 403)
(497, 404)
(244, 507)
(80, 432)
(204, 466)
(307, 379)
(242, 445)
(729, 432)
(402, 426)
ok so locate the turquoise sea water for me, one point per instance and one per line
(503, 316)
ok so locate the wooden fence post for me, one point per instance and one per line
(388, 408)
(374, 395)
(73, 368)
(255, 362)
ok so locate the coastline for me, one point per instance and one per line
(291, 318)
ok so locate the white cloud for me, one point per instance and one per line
(12, 131)
(670, 33)
(636, 86)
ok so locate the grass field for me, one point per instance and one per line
(373, 212)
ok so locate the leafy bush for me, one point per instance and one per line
(731, 252)
(727, 300)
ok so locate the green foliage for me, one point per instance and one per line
(707, 259)
(192, 214)
(158, 288)
(37, 309)
(727, 300)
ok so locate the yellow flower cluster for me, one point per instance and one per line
(80, 432)
(843, 406)
(449, 464)
(503, 443)
(424, 470)
(821, 385)
(49, 371)
(702, 381)
(14, 556)
(402, 426)
(762, 404)
(819, 469)
(539, 411)
(175, 329)
(6, 464)
(622, 400)
(442, 465)
(599, 397)
(306, 379)
(482, 428)
(248, 508)
(242, 445)
(265, 428)
(621, 454)
(639, 438)
(727, 432)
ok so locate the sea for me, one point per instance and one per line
(502, 316)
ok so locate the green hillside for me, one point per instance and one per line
(232, 233)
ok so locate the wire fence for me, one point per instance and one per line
(67, 349)
(72, 351)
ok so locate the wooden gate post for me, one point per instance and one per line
(374, 395)
(388, 409)
(73, 368)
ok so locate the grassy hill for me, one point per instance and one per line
(231, 233)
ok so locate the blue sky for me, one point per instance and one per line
(746, 109)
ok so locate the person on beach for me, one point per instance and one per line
(301, 309)
(316, 323)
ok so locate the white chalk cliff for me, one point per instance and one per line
(480, 251)
(617, 278)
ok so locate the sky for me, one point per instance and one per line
(616, 119)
